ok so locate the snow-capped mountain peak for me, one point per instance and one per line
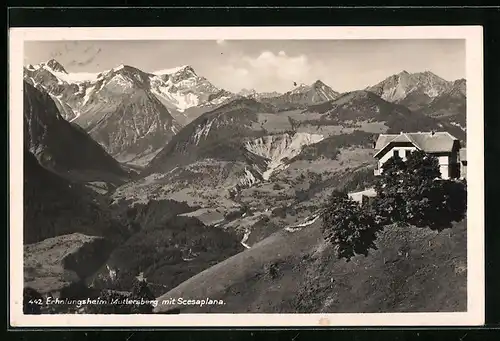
(54, 65)
(171, 71)
(177, 74)
(252, 93)
(119, 67)
(185, 73)
(181, 88)
(178, 89)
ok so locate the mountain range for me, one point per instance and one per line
(133, 114)
(187, 174)
(252, 93)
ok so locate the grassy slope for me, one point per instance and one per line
(308, 278)
(57, 263)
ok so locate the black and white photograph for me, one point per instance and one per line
(218, 175)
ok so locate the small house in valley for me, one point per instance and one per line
(363, 197)
(443, 145)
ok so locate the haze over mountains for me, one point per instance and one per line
(159, 159)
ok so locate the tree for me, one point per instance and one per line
(141, 292)
(349, 227)
(422, 166)
(411, 192)
(389, 203)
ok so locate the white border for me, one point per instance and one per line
(475, 154)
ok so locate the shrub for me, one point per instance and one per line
(357, 179)
(349, 227)
(277, 187)
(438, 205)
(411, 192)
(280, 212)
(301, 195)
(273, 270)
(116, 303)
(141, 291)
(408, 193)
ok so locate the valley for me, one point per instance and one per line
(208, 193)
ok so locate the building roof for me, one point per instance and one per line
(429, 142)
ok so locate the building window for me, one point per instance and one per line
(396, 153)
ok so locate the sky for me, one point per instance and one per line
(263, 65)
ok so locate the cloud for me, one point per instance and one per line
(269, 71)
(86, 57)
(221, 42)
(235, 78)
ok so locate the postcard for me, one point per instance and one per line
(246, 176)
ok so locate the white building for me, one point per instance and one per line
(440, 144)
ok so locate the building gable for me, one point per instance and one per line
(391, 146)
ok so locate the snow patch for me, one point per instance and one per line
(77, 114)
(458, 125)
(248, 179)
(394, 93)
(120, 81)
(245, 238)
(34, 83)
(169, 71)
(202, 131)
(111, 272)
(433, 92)
(326, 94)
(181, 101)
(88, 92)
